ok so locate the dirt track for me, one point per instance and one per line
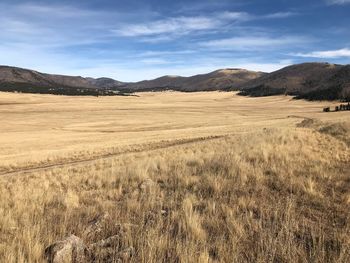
(158, 146)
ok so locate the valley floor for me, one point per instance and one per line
(175, 177)
(40, 130)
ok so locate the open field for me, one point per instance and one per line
(175, 177)
(45, 129)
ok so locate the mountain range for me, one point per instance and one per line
(218, 80)
(312, 81)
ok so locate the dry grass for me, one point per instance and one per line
(275, 194)
(40, 129)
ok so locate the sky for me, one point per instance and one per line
(132, 40)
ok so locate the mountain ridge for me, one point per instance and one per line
(216, 80)
(26, 80)
(311, 81)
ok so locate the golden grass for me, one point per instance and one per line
(266, 191)
(41, 129)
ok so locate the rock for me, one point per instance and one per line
(71, 249)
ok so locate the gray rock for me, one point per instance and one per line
(69, 250)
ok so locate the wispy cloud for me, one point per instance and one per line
(54, 10)
(338, 2)
(181, 25)
(253, 43)
(177, 25)
(236, 16)
(187, 24)
(119, 38)
(156, 61)
(340, 53)
(165, 53)
(280, 15)
(51, 25)
(17, 26)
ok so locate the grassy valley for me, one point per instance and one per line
(174, 177)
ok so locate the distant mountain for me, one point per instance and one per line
(106, 83)
(31, 77)
(217, 80)
(30, 81)
(312, 81)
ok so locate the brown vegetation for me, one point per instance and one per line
(269, 192)
(40, 130)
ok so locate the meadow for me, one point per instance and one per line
(175, 177)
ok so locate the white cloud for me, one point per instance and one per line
(155, 61)
(147, 67)
(63, 11)
(41, 37)
(52, 26)
(252, 43)
(177, 25)
(338, 2)
(340, 53)
(166, 29)
(17, 26)
(165, 53)
(280, 15)
(240, 16)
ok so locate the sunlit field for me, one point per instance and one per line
(174, 177)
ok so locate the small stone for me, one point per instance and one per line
(71, 249)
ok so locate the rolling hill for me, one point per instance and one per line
(106, 83)
(218, 80)
(30, 81)
(31, 77)
(312, 81)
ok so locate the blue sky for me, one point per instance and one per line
(134, 40)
